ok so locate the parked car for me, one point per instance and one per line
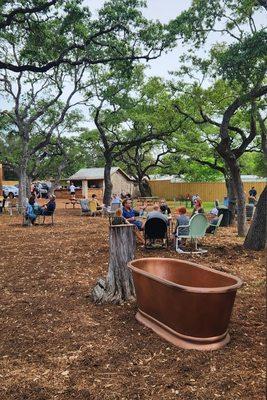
(10, 189)
(43, 189)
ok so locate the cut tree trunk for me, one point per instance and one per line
(256, 237)
(108, 183)
(118, 285)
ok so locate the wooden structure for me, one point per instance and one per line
(92, 181)
(118, 285)
(208, 191)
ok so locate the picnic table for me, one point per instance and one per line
(72, 201)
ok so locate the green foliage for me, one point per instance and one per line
(243, 62)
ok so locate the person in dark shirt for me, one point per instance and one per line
(253, 192)
(164, 207)
(50, 206)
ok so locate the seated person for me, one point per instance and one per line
(84, 202)
(30, 213)
(119, 219)
(129, 214)
(142, 209)
(36, 207)
(50, 206)
(214, 220)
(252, 200)
(156, 213)
(94, 198)
(198, 209)
(164, 208)
(11, 202)
(181, 220)
(116, 199)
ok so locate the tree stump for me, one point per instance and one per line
(118, 285)
(256, 236)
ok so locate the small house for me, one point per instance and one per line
(91, 180)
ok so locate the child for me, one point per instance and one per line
(181, 220)
(119, 219)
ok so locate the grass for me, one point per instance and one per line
(207, 205)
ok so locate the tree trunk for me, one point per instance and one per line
(144, 188)
(256, 237)
(24, 185)
(231, 198)
(108, 183)
(241, 199)
(118, 285)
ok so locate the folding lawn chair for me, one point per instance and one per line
(216, 226)
(197, 229)
(156, 228)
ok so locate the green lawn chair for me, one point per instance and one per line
(196, 229)
(216, 226)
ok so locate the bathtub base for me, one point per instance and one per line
(180, 340)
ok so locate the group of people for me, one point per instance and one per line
(128, 215)
(85, 204)
(33, 209)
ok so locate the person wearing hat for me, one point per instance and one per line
(214, 220)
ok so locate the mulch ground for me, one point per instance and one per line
(56, 344)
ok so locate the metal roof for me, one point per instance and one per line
(94, 173)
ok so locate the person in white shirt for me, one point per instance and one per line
(72, 189)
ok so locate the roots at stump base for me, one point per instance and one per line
(101, 294)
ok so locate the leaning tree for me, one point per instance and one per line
(241, 66)
(33, 115)
(256, 238)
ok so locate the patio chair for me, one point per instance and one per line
(196, 229)
(155, 228)
(50, 214)
(216, 226)
(84, 204)
(113, 208)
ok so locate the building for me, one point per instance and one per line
(92, 181)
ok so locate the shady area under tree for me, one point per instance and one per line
(56, 344)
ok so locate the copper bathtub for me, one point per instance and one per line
(185, 303)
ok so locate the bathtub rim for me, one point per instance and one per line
(194, 289)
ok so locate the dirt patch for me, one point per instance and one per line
(55, 344)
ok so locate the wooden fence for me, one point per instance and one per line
(208, 191)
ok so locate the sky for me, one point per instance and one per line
(164, 11)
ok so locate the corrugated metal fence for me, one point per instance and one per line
(208, 191)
